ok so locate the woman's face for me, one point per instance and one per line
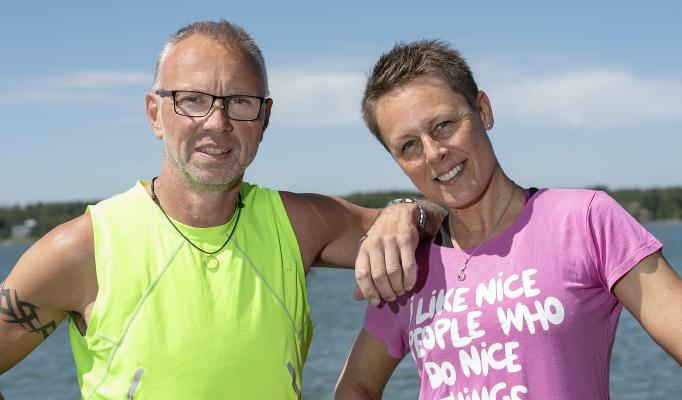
(438, 140)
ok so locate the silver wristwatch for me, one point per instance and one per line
(422, 212)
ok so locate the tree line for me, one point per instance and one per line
(644, 204)
(46, 215)
(660, 204)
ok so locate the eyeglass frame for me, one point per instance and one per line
(172, 93)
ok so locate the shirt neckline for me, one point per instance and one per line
(206, 233)
(443, 239)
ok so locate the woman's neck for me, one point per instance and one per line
(495, 210)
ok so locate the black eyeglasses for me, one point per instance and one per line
(197, 104)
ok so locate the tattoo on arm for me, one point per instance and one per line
(22, 313)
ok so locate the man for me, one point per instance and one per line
(192, 285)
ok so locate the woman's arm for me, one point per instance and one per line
(367, 370)
(652, 292)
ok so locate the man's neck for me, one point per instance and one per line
(195, 207)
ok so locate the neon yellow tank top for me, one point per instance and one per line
(164, 326)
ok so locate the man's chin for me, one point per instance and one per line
(210, 182)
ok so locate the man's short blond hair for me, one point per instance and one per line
(222, 31)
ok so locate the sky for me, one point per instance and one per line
(584, 93)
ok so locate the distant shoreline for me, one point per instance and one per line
(19, 241)
(672, 221)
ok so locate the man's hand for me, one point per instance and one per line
(386, 265)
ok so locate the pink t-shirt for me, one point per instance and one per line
(535, 317)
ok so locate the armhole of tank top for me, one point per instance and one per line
(90, 332)
(285, 223)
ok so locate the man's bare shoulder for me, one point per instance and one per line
(314, 206)
(54, 277)
(300, 204)
(327, 227)
(71, 243)
(61, 265)
(294, 203)
(300, 209)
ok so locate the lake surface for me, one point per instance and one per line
(639, 368)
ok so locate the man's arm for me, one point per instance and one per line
(329, 232)
(652, 292)
(55, 276)
(367, 370)
(385, 266)
(327, 228)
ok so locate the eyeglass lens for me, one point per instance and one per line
(194, 104)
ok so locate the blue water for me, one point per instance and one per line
(640, 369)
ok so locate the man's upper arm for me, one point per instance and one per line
(327, 228)
(55, 276)
(652, 292)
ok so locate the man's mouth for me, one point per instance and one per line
(212, 151)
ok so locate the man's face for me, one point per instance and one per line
(211, 151)
(438, 140)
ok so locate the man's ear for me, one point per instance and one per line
(154, 113)
(267, 109)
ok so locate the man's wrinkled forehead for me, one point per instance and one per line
(200, 54)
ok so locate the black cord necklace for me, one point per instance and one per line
(210, 262)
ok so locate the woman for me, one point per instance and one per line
(519, 296)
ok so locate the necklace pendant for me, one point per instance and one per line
(461, 275)
(211, 262)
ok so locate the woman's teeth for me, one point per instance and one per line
(451, 174)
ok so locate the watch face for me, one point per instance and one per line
(400, 201)
(422, 213)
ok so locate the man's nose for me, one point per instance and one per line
(217, 115)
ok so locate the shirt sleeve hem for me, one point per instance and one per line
(650, 247)
(376, 333)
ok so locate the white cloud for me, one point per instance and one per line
(316, 98)
(604, 97)
(599, 97)
(64, 97)
(74, 87)
(100, 79)
(329, 95)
